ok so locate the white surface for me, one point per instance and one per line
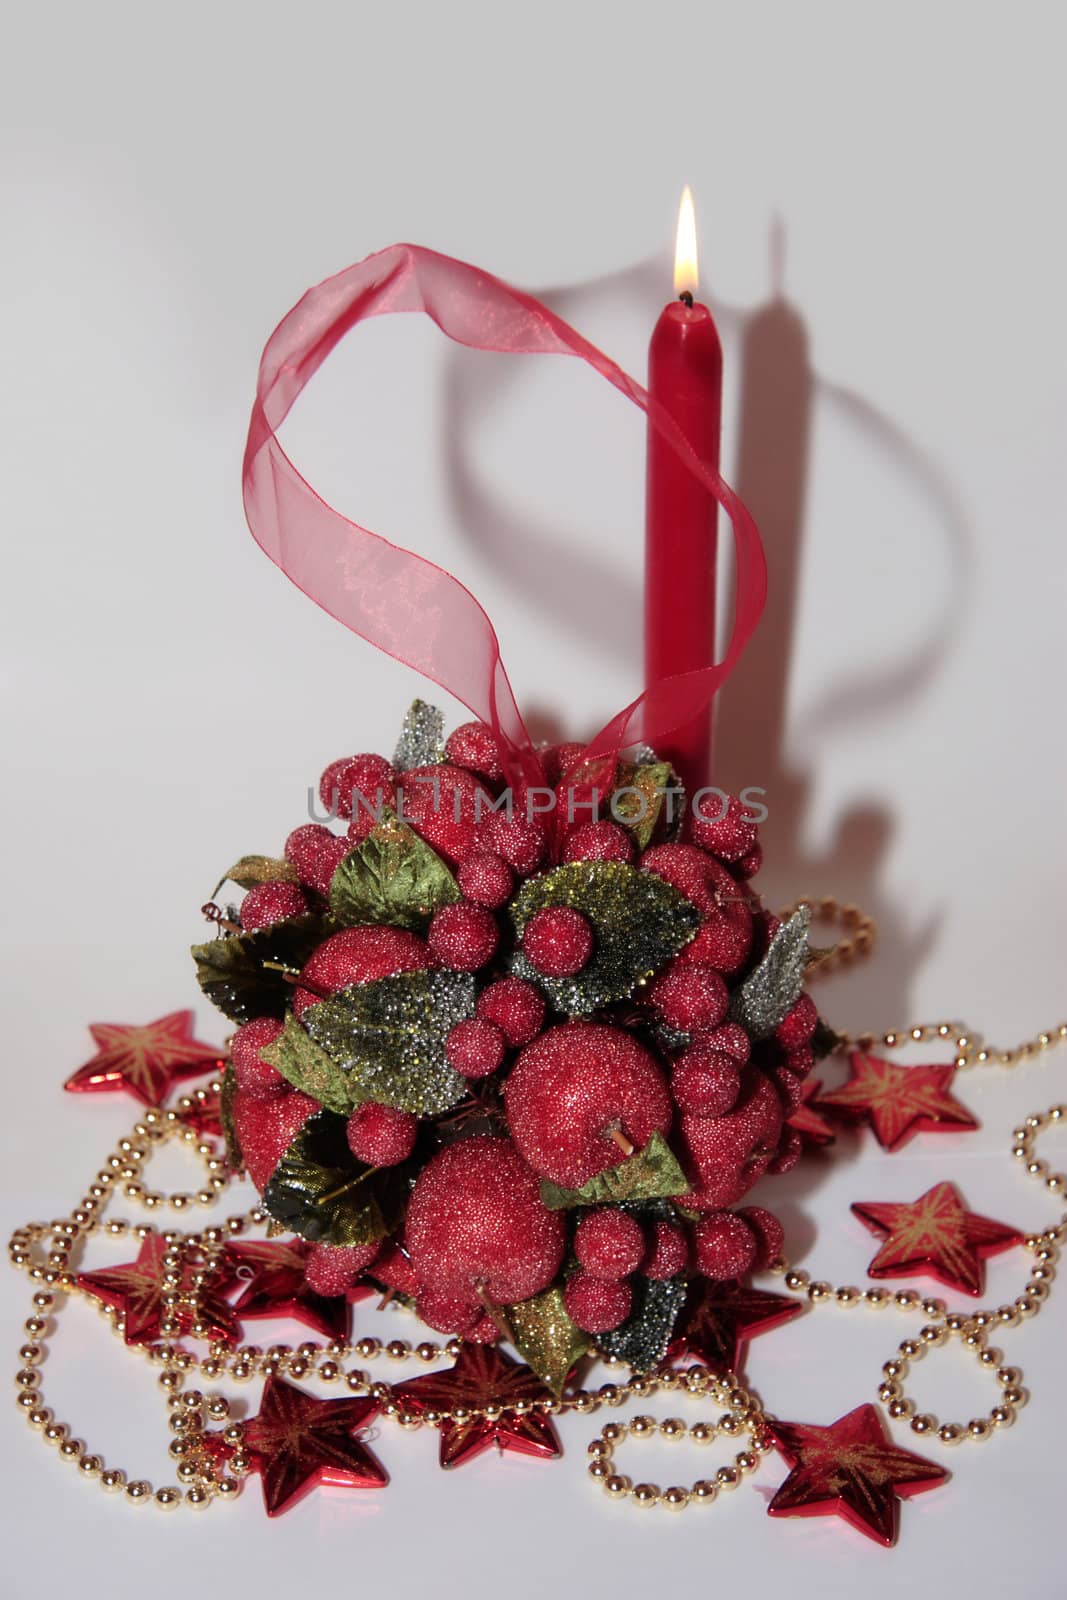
(173, 181)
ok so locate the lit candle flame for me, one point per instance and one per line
(685, 246)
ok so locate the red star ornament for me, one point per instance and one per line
(850, 1469)
(718, 1320)
(146, 1061)
(899, 1102)
(806, 1119)
(297, 1442)
(136, 1289)
(935, 1235)
(481, 1376)
(276, 1287)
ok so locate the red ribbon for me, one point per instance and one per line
(399, 601)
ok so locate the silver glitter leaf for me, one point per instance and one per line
(770, 992)
(642, 1340)
(638, 920)
(389, 1037)
(422, 737)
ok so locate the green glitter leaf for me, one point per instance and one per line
(546, 1337)
(235, 1160)
(309, 1068)
(649, 1174)
(640, 812)
(393, 879)
(253, 870)
(639, 921)
(642, 1340)
(772, 989)
(389, 1038)
(232, 972)
(321, 1192)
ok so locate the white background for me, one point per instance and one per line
(173, 179)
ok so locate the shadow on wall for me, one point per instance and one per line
(778, 393)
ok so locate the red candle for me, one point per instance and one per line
(685, 376)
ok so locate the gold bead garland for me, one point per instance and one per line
(192, 1259)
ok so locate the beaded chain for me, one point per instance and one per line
(192, 1260)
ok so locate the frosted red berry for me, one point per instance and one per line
(354, 784)
(732, 1038)
(476, 1217)
(594, 1305)
(724, 1246)
(705, 1082)
(724, 831)
(769, 1233)
(558, 941)
(381, 1135)
(256, 1077)
(331, 1269)
(359, 955)
(316, 853)
(668, 1252)
(266, 1128)
(724, 1156)
(598, 841)
(789, 1088)
(749, 865)
(448, 1310)
(442, 804)
(609, 1243)
(268, 903)
(790, 1148)
(473, 745)
(800, 1062)
(517, 1008)
(559, 759)
(572, 1088)
(475, 1047)
(522, 843)
(486, 879)
(463, 936)
(690, 997)
(798, 1025)
(725, 939)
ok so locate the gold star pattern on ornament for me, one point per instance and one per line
(146, 1061)
(935, 1235)
(899, 1102)
(718, 1319)
(276, 1287)
(136, 1290)
(297, 1442)
(483, 1376)
(850, 1469)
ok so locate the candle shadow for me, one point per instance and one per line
(778, 392)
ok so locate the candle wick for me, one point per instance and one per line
(686, 298)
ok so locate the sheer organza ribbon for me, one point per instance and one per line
(399, 601)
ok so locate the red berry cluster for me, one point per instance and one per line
(558, 1100)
